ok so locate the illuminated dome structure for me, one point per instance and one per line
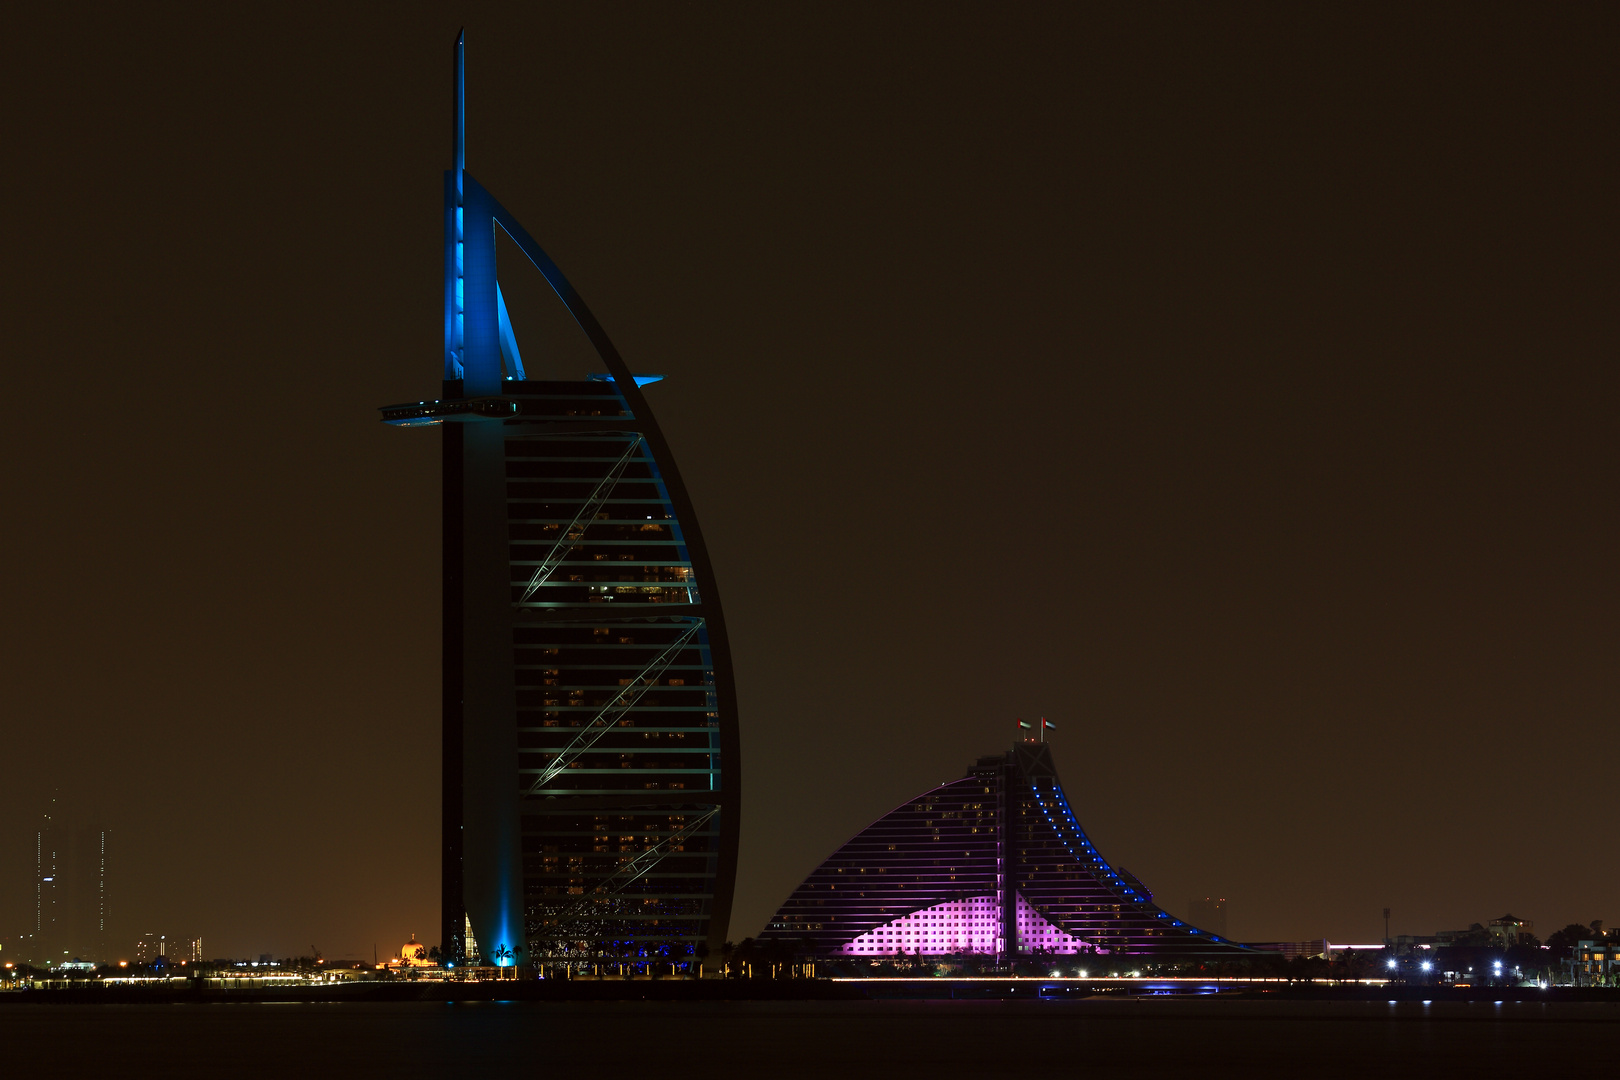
(996, 864)
(414, 954)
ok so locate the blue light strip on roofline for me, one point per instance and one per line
(641, 380)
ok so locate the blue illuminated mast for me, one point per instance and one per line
(455, 222)
(456, 294)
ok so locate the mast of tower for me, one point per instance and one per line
(458, 134)
(455, 221)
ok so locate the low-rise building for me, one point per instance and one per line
(1594, 963)
(413, 954)
(1509, 930)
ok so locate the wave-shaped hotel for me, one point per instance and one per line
(995, 864)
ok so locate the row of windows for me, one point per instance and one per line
(647, 629)
(585, 470)
(627, 551)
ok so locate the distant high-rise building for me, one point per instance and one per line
(180, 950)
(1208, 912)
(70, 891)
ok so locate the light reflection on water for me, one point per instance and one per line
(1208, 1037)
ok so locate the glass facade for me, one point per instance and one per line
(618, 721)
(995, 863)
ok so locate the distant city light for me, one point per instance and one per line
(1427, 966)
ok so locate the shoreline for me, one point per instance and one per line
(806, 990)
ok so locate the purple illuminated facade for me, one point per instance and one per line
(993, 864)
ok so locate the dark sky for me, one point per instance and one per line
(1233, 385)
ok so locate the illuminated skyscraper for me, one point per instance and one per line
(70, 891)
(180, 950)
(996, 864)
(590, 732)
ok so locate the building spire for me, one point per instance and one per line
(454, 197)
(458, 147)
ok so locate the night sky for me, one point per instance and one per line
(1233, 385)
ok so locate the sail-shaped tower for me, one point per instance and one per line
(994, 864)
(590, 770)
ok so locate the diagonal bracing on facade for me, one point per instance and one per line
(599, 917)
(603, 722)
(575, 531)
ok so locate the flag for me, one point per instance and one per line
(1045, 723)
(1024, 725)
